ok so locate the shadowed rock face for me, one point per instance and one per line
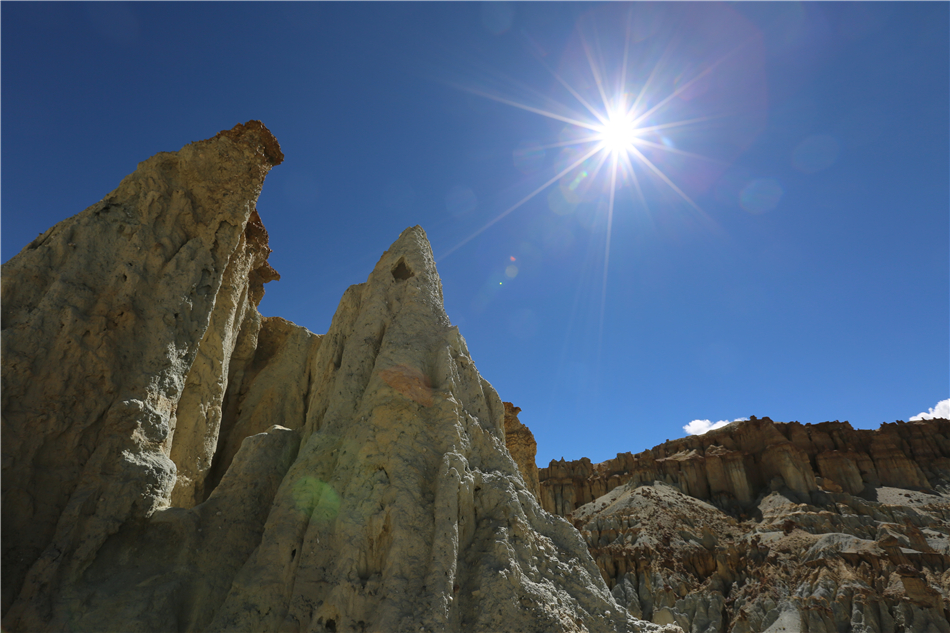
(763, 525)
(523, 448)
(174, 461)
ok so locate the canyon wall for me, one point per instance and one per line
(174, 461)
(765, 526)
(735, 464)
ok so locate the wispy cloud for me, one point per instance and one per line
(698, 427)
(942, 410)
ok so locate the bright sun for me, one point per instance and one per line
(618, 134)
(632, 111)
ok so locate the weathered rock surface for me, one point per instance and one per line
(117, 329)
(173, 461)
(735, 464)
(763, 526)
(523, 448)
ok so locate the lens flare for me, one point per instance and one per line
(648, 81)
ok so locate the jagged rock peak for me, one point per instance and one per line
(117, 331)
(174, 461)
(255, 134)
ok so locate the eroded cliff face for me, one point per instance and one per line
(118, 326)
(763, 526)
(174, 461)
(735, 464)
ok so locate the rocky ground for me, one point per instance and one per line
(680, 539)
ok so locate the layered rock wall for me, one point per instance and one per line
(765, 526)
(736, 464)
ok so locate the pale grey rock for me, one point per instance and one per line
(403, 510)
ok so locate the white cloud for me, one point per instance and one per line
(942, 410)
(698, 427)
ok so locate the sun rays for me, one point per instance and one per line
(620, 134)
(648, 107)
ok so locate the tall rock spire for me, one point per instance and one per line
(118, 326)
(189, 465)
(403, 510)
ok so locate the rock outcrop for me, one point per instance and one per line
(735, 464)
(523, 448)
(763, 526)
(174, 461)
(118, 326)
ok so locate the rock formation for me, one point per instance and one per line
(118, 326)
(738, 462)
(523, 448)
(174, 461)
(763, 526)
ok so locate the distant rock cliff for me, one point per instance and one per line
(737, 463)
(764, 526)
(174, 461)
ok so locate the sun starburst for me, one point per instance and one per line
(646, 88)
(619, 132)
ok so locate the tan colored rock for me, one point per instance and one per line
(403, 511)
(743, 539)
(110, 319)
(268, 385)
(520, 442)
(173, 461)
(747, 459)
(841, 468)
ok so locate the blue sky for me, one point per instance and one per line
(798, 267)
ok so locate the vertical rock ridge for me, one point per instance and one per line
(103, 317)
(523, 448)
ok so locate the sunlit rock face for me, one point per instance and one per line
(523, 448)
(118, 328)
(174, 461)
(763, 526)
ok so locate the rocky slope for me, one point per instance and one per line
(174, 461)
(764, 526)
